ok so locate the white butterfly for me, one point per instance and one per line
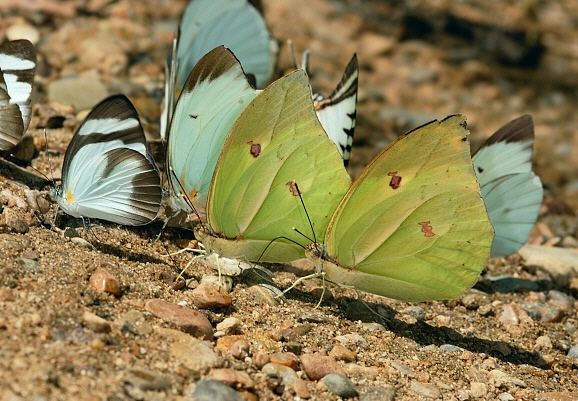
(337, 112)
(17, 66)
(207, 24)
(512, 192)
(108, 173)
(214, 95)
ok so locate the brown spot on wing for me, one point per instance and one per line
(293, 188)
(426, 228)
(395, 181)
(254, 149)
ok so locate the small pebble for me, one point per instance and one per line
(450, 348)
(208, 295)
(194, 354)
(23, 30)
(81, 92)
(317, 366)
(341, 353)
(339, 385)
(95, 323)
(505, 397)
(288, 359)
(502, 379)
(385, 393)
(417, 312)
(352, 340)
(188, 320)
(148, 380)
(214, 390)
(103, 280)
(233, 378)
(266, 295)
(229, 325)
(543, 343)
(402, 368)
(134, 322)
(286, 374)
(426, 390)
(573, 352)
(260, 359)
(240, 349)
(299, 386)
(478, 389)
(225, 283)
(81, 242)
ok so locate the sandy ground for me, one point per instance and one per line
(63, 336)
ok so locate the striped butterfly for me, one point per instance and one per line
(108, 173)
(337, 112)
(207, 24)
(511, 191)
(17, 66)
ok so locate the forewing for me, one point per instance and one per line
(112, 124)
(507, 151)
(17, 67)
(120, 185)
(236, 24)
(276, 142)
(337, 113)
(11, 124)
(214, 95)
(511, 191)
(413, 226)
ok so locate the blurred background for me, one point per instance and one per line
(419, 60)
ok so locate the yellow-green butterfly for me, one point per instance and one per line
(413, 226)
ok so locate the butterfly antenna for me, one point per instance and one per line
(271, 243)
(306, 213)
(49, 160)
(303, 235)
(41, 173)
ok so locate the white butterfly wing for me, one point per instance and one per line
(511, 191)
(337, 113)
(236, 24)
(215, 93)
(17, 67)
(107, 172)
(513, 203)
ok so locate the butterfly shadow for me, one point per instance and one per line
(99, 243)
(425, 334)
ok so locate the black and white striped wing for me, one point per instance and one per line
(337, 113)
(108, 173)
(17, 66)
(511, 191)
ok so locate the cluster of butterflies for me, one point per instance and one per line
(264, 170)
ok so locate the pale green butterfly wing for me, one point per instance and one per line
(206, 24)
(413, 226)
(215, 94)
(277, 141)
(511, 191)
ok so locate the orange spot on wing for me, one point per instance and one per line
(69, 195)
